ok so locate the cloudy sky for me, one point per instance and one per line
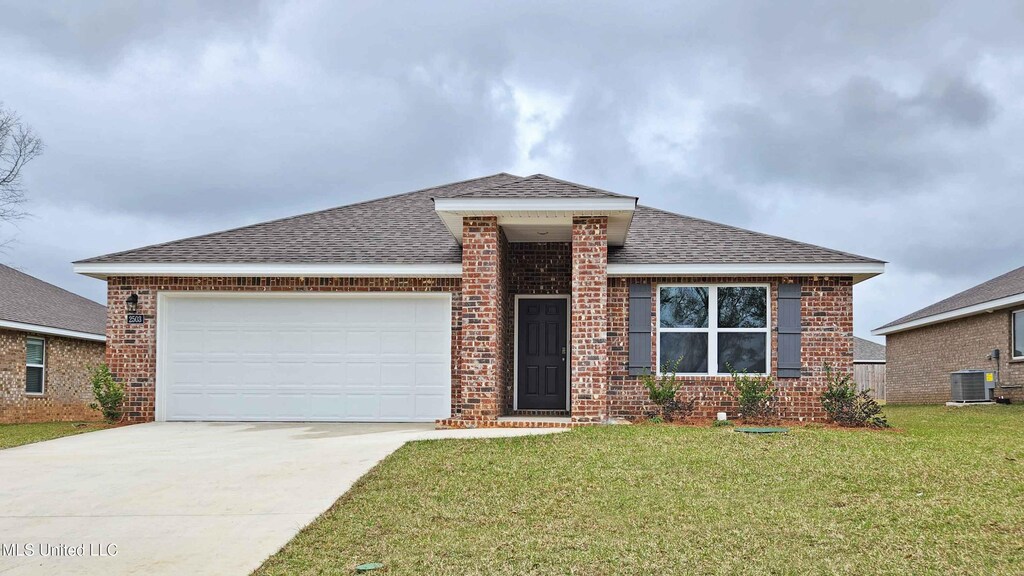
(889, 129)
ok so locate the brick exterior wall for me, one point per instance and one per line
(131, 348)
(494, 271)
(827, 323)
(67, 391)
(535, 268)
(918, 362)
(482, 361)
(589, 319)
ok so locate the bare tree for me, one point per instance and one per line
(19, 145)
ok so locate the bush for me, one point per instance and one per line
(662, 390)
(754, 395)
(847, 407)
(109, 393)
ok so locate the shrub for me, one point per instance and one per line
(109, 393)
(662, 390)
(754, 395)
(847, 407)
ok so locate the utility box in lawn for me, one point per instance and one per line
(972, 385)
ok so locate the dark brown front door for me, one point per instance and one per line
(542, 334)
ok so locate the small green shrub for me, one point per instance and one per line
(109, 393)
(721, 424)
(754, 395)
(847, 407)
(662, 390)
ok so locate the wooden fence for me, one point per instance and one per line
(870, 376)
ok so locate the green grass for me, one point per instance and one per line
(944, 495)
(12, 435)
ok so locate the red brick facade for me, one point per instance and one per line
(827, 338)
(67, 391)
(534, 268)
(482, 362)
(918, 361)
(589, 325)
(493, 273)
(131, 348)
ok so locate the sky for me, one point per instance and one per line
(888, 129)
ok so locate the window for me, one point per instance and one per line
(1018, 335)
(710, 329)
(35, 365)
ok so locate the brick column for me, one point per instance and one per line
(480, 362)
(589, 361)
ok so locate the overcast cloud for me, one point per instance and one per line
(892, 130)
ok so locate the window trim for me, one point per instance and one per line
(712, 329)
(42, 388)
(1013, 334)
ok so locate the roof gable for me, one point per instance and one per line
(540, 186)
(25, 299)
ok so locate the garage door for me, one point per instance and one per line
(355, 358)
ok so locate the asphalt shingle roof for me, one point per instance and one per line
(541, 186)
(660, 237)
(29, 300)
(404, 229)
(867, 351)
(1009, 284)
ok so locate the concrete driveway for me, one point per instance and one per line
(182, 498)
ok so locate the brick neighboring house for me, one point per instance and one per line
(958, 333)
(49, 338)
(501, 300)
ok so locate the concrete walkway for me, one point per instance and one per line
(183, 498)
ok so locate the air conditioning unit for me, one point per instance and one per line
(972, 386)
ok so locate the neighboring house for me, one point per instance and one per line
(470, 302)
(49, 338)
(869, 367)
(958, 333)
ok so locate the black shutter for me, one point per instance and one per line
(639, 329)
(789, 331)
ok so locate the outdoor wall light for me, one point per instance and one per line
(132, 303)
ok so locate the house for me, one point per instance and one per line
(49, 339)
(469, 304)
(980, 328)
(869, 367)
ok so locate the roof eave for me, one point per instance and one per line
(51, 331)
(983, 307)
(102, 270)
(860, 271)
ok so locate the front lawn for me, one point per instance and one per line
(943, 496)
(12, 435)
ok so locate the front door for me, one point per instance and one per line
(542, 334)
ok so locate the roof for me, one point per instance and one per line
(402, 229)
(660, 237)
(1000, 291)
(866, 351)
(25, 300)
(540, 186)
(405, 229)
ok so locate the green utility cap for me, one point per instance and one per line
(766, 430)
(368, 567)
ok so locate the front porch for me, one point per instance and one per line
(534, 326)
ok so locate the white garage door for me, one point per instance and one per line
(356, 358)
